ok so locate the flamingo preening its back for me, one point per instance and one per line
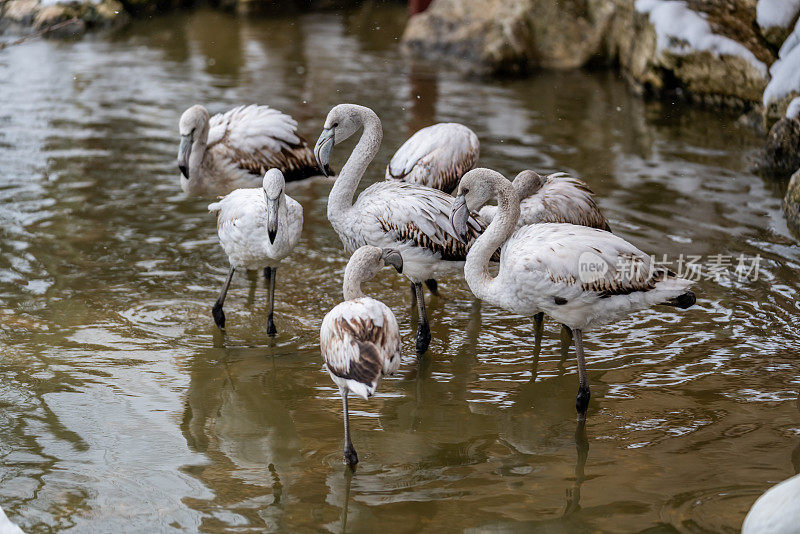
(436, 156)
(234, 149)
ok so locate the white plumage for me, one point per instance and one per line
(557, 197)
(540, 270)
(436, 156)
(6, 526)
(359, 338)
(581, 277)
(777, 511)
(257, 228)
(234, 149)
(411, 218)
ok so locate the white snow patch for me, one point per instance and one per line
(683, 31)
(785, 72)
(793, 109)
(776, 13)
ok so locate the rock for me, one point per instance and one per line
(708, 50)
(480, 36)
(781, 154)
(19, 11)
(784, 84)
(791, 203)
(775, 19)
(87, 14)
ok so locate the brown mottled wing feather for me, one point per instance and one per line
(258, 138)
(563, 199)
(360, 341)
(417, 215)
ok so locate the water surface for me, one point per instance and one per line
(124, 410)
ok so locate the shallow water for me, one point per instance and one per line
(124, 410)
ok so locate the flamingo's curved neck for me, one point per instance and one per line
(476, 268)
(340, 199)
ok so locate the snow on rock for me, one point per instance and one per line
(793, 109)
(784, 83)
(777, 13)
(682, 31)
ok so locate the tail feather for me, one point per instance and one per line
(683, 301)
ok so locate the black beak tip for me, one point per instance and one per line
(272, 235)
(326, 170)
(184, 171)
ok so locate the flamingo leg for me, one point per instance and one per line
(350, 456)
(566, 341)
(216, 311)
(582, 400)
(269, 274)
(433, 287)
(538, 329)
(424, 329)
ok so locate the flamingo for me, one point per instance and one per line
(436, 156)
(412, 218)
(258, 227)
(556, 198)
(359, 338)
(234, 149)
(777, 511)
(582, 277)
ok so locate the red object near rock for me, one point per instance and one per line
(418, 6)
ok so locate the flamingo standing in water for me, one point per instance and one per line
(572, 273)
(555, 198)
(359, 338)
(257, 227)
(412, 218)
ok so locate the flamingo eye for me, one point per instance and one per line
(335, 124)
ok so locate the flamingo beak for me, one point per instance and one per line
(184, 152)
(272, 218)
(391, 256)
(322, 150)
(459, 215)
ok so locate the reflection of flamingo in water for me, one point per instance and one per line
(234, 415)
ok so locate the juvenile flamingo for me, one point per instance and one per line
(582, 277)
(234, 149)
(412, 218)
(258, 227)
(359, 338)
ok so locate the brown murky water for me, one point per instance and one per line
(123, 410)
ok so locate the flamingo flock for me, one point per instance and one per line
(541, 233)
